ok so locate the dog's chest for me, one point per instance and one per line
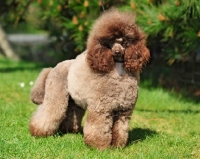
(101, 91)
(109, 90)
(119, 68)
(119, 91)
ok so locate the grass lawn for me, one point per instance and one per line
(163, 125)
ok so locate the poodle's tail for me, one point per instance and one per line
(38, 90)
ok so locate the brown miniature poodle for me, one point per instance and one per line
(103, 80)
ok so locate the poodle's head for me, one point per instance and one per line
(116, 38)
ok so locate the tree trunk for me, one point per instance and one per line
(6, 47)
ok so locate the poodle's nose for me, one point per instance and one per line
(117, 53)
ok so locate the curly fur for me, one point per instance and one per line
(117, 24)
(38, 90)
(103, 80)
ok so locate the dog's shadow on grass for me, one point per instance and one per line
(135, 135)
(140, 134)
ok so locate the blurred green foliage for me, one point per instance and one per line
(71, 20)
(172, 26)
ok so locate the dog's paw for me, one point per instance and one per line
(39, 129)
(42, 125)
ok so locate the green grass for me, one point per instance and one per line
(164, 125)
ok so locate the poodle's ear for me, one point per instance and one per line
(100, 58)
(136, 56)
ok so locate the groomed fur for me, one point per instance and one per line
(103, 79)
(117, 24)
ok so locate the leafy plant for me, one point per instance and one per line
(172, 25)
(71, 20)
(68, 21)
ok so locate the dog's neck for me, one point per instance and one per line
(119, 68)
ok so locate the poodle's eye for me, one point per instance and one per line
(102, 42)
(111, 42)
(106, 42)
(124, 43)
(130, 40)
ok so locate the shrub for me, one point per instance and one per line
(172, 25)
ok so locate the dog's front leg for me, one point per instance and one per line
(120, 128)
(47, 118)
(73, 119)
(97, 130)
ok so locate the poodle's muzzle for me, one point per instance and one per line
(118, 50)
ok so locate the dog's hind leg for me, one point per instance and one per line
(73, 119)
(38, 90)
(46, 120)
